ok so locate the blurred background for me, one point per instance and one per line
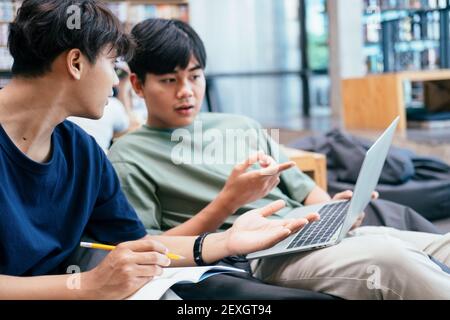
(310, 68)
(286, 63)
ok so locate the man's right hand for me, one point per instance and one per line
(126, 269)
(243, 187)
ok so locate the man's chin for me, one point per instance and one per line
(91, 116)
(185, 121)
(96, 115)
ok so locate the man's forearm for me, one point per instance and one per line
(317, 196)
(214, 248)
(60, 287)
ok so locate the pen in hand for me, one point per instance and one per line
(169, 255)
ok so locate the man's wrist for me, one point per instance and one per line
(87, 290)
(215, 247)
(226, 203)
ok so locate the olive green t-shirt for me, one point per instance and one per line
(170, 175)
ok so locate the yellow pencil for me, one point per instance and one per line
(100, 246)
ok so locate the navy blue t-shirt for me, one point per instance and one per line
(46, 208)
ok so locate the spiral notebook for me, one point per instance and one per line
(156, 288)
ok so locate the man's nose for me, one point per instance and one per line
(185, 91)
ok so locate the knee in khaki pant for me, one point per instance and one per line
(373, 266)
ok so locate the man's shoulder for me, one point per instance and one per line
(137, 141)
(218, 120)
(71, 132)
(78, 140)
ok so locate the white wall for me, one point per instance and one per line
(252, 36)
(346, 46)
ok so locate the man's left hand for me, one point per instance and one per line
(347, 195)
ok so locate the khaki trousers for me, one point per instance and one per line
(371, 263)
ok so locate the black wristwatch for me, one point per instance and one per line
(198, 246)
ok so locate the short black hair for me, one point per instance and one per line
(163, 45)
(40, 33)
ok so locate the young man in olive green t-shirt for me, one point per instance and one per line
(175, 172)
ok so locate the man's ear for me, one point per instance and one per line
(75, 63)
(137, 85)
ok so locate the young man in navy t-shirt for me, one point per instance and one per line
(56, 183)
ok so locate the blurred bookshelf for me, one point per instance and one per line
(411, 36)
(8, 11)
(132, 12)
(406, 35)
(129, 13)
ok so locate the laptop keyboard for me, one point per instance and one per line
(331, 218)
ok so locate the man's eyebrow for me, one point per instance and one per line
(197, 67)
(174, 72)
(112, 56)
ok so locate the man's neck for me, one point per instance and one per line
(29, 112)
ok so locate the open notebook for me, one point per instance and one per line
(156, 288)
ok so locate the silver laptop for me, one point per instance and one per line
(337, 217)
